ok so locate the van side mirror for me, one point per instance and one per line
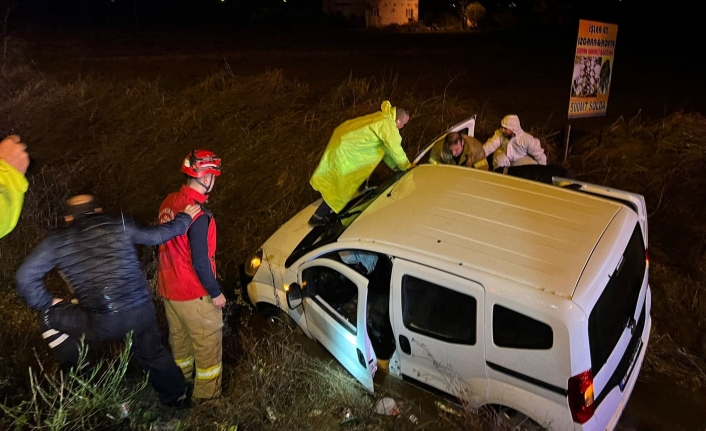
(294, 296)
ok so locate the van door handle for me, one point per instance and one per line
(404, 345)
(361, 358)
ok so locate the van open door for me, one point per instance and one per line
(335, 298)
(633, 201)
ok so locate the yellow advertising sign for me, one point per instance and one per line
(593, 69)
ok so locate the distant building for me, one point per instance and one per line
(380, 13)
(377, 13)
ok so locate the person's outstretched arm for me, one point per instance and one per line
(155, 235)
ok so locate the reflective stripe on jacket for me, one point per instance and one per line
(176, 277)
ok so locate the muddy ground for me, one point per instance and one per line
(267, 101)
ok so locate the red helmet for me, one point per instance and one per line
(198, 163)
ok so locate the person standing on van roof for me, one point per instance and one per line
(460, 150)
(14, 162)
(512, 146)
(354, 150)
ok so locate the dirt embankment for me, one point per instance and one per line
(124, 141)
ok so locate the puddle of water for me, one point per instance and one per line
(658, 404)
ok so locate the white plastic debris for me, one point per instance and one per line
(271, 414)
(315, 413)
(386, 406)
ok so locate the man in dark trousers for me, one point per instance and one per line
(96, 256)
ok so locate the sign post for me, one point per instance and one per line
(593, 70)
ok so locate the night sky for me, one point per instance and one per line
(675, 16)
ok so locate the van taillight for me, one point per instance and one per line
(581, 397)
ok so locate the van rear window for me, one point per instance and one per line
(515, 330)
(616, 306)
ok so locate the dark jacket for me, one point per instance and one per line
(96, 256)
(473, 155)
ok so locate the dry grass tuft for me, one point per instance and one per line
(664, 160)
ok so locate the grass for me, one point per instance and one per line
(87, 397)
(664, 161)
(123, 141)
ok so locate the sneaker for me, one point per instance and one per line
(184, 401)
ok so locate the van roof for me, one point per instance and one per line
(535, 234)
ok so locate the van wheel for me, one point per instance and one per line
(276, 318)
(516, 421)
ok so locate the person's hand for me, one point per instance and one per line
(12, 150)
(55, 301)
(219, 301)
(191, 210)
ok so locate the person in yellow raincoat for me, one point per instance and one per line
(356, 147)
(14, 162)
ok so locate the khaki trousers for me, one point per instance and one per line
(196, 336)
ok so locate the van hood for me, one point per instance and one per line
(280, 245)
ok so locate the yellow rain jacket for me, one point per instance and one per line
(13, 186)
(354, 150)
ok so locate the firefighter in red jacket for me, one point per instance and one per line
(193, 300)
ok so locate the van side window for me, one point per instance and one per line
(438, 312)
(335, 293)
(515, 330)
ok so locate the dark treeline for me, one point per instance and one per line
(676, 16)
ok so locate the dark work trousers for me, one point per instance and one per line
(63, 324)
(322, 212)
(539, 173)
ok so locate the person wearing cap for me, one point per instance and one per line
(512, 146)
(96, 256)
(187, 282)
(355, 149)
(14, 162)
(460, 150)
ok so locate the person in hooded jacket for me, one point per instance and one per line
(512, 146)
(96, 255)
(356, 147)
(14, 162)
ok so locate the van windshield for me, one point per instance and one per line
(616, 306)
(322, 235)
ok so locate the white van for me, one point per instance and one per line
(500, 291)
